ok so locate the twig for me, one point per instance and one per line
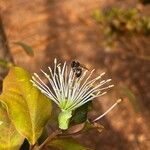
(71, 134)
(49, 138)
(4, 50)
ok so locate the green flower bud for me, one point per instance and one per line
(64, 118)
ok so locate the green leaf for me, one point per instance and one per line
(66, 144)
(28, 49)
(10, 139)
(28, 108)
(80, 114)
(5, 64)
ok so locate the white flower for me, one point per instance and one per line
(68, 91)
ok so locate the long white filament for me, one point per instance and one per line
(68, 91)
(106, 112)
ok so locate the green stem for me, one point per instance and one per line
(64, 118)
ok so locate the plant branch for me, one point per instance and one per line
(49, 138)
(4, 51)
(71, 134)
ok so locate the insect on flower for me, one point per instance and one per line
(68, 91)
(77, 68)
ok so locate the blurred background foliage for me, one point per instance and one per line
(110, 36)
(118, 22)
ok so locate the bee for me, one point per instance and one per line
(77, 68)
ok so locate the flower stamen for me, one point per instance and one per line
(106, 112)
(69, 91)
